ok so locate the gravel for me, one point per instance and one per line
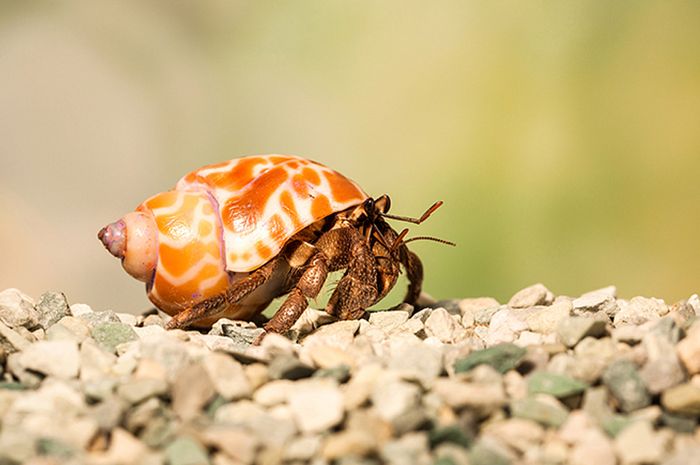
(542, 379)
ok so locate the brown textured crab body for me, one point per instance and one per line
(232, 236)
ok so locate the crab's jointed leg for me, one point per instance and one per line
(233, 294)
(357, 289)
(307, 287)
(414, 271)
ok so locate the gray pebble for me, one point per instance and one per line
(571, 330)
(434, 386)
(110, 335)
(483, 316)
(289, 367)
(96, 318)
(662, 369)
(52, 307)
(625, 384)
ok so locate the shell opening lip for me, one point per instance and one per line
(113, 237)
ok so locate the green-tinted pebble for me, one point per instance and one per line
(452, 434)
(186, 451)
(502, 357)
(483, 455)
(623, 380)
(614, 423)
(12, 386)
(110, 335)
(557, 385)
(542, 412)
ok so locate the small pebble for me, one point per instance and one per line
(17, 309)
(689, 349)
(639, 444)
(640, 310)
(443, 326)
(110, 334)
(186, 451)
(52, 358)
(683, 399)
(388, 320)
(572, 329)
(502, 357)
(623, 380)
(317, 405)
(545, 319)
(536, 294)
(542, 408)
(52, 307)
(545, 379)
(554, 384)
(289, 367)
(192, 390)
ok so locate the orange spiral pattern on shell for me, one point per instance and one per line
(190, 264)
(265, 200)
(234, 217)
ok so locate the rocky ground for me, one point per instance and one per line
(539, 380)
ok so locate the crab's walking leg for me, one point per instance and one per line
(233, 294)
(414, 271)
(308, 287)
(357, 289)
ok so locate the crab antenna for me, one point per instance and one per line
(430, 238)
(410, 219)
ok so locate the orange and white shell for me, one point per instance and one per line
(222, 221)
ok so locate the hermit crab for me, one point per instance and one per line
(231, 237)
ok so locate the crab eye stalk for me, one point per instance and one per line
(133, 240)
(383, 204)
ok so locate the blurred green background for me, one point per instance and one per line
(563, 136)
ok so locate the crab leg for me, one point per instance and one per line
(233, 294)
(414, 270)
(357, 289)
(309, 285)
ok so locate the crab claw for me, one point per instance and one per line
(133, 239)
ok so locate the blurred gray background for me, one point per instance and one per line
(563, 136)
